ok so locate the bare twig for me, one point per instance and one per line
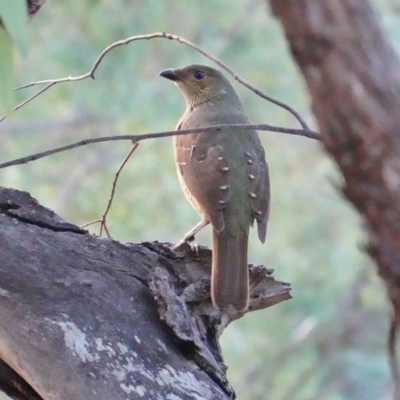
(138, 138)
(48, 86)
(114, 185)
(90, 74)
(96, 221)
(103, 220)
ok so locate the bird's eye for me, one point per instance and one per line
(199, 75)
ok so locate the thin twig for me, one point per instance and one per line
(103, 220)
(96, 221)
(138, 138)
(48, 86)
(164, 35)
(114, 185)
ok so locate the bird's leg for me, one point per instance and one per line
(189, 237)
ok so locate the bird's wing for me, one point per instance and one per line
(258, 188)
(204, 170)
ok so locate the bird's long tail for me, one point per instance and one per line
(230, 275)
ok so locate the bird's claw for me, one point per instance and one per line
(192, 244)
(190, 241)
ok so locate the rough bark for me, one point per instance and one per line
(84, 317)
(353, 77)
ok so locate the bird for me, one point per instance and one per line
(224, 176)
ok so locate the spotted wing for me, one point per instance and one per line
(258, 188)
(203, 171)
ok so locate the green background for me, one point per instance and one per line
(329, 341)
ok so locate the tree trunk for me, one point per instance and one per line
(353, 77)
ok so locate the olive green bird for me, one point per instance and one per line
(224, 176)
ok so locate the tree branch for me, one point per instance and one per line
(137, 138)
(119, 320)
(91, 72)
(353, 76)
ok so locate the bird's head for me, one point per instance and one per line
(200, 84)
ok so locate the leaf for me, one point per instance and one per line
(7, 97)
(13, 14)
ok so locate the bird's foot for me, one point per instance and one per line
(190, 241)
(192, 244)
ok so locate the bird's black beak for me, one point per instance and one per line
(170, 74)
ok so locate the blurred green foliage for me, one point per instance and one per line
(14, 19)
(13, 24)
(7, 97)
(328, 342)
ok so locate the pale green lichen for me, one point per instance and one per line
(123, 364)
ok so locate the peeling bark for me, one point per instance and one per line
(84, 317)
